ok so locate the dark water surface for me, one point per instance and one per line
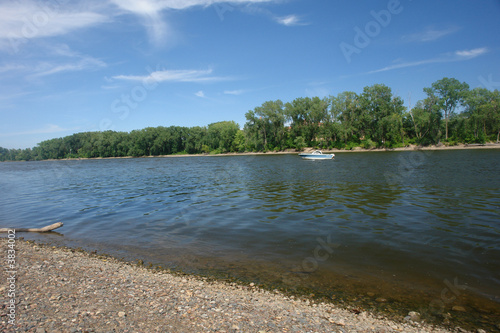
(419, 229)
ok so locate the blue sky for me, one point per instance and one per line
(75, 66)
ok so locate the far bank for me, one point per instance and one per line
(294, 151)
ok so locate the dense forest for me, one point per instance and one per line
(451, 113)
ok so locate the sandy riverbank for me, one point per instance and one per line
(355, 150)
(307, 149)
(420, 148)
(63, 290)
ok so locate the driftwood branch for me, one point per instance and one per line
(44, 229)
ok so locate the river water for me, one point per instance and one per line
(391, 230)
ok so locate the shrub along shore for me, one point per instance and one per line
(451, 114)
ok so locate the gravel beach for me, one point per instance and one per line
(63, 290)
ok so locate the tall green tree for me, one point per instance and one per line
(344, 120)
(493, 111)
(482, 113)
(450, 93)
(196, 137)
(221, 135)
(255, 132)
(240, 141)
(382, 114)
(307, 115)
(426, 119)
(265, 126)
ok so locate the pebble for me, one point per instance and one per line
(413, 316)
(81, 292)
(459, 308)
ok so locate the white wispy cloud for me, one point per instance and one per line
(290, 20)
(469, 54)
(151, 13)
(153, 6)
(460, 55)
(52, 59)
(234, 92)
(430, 34)
(47, 129)
(11, 67)
(11, 96)
(21, 21)
(49, 68)
(200, 94)
(175, 76)
(63, 50)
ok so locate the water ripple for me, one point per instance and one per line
(441, 215)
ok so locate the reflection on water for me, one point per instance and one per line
(400, 222)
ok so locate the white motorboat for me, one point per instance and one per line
(316, 155)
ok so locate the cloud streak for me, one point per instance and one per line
(450, 57)
(151, 13)
(290, 20)
(189, 75)
(234, 92)
(148, 7)
(21, 21)
(24, 20)
(469, 54)
(59, 58)
(47, 129)
(88, 63)
(430, 34)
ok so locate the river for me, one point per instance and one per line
(390, 230)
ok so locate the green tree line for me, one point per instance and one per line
(451, 113)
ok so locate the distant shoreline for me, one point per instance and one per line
(294, 152)
(355, 150)
(309, 149)
(419, 148)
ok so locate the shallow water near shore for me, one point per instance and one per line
(417, 231)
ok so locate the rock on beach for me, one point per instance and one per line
(60, 290)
